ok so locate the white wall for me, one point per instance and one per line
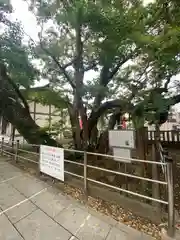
(41, 116)
(167, 126)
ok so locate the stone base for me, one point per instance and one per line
(164, 236)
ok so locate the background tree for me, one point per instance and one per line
(16, 70)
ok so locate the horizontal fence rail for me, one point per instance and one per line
(127, 175)
(16, 149)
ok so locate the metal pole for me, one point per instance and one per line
(13, 149)
(39, 162)
(170, 190)
(16, 151)
(85, 174)
(2, 146)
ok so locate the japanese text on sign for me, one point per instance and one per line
(52, 161)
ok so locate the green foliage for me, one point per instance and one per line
(107, 35)
(46, 96)
(16, 56)
(140, 42)
(131, 50)
(5, 7)
(13, 53)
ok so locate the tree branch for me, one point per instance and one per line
(93, 119)
(106, 75)
(69, 63)
(119, 64)
(78, 63)
(62, 68)
(167, 83)
(103, 82)
(92, 65)
(174, 100)
(113, 120)
(16, 89)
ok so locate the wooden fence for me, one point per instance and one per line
(165, 136)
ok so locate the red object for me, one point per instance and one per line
(123, 123)
(80, 123)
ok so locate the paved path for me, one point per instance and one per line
(33, 210)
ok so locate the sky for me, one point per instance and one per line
(22, 13)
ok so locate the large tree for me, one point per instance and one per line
(77, 43)
(131, 49)
(105, 58)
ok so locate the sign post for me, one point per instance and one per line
(122, 143)
(52, 161)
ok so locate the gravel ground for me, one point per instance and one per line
(116, 212)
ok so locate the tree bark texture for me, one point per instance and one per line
(16, 112)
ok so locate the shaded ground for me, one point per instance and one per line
(35, 209)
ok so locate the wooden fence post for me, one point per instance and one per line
(142, 142)
(2, 146)
(142, 148)
(155, 174)
(13, 149)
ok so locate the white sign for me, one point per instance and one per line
(123, 153)
(52, 161)
(122, 138)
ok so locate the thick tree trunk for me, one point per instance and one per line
(95, 114)
(103, 144)
(16, 111)
(76, 132)
(94, 137)
(4, 125)
(141, 141)
(25, 125)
